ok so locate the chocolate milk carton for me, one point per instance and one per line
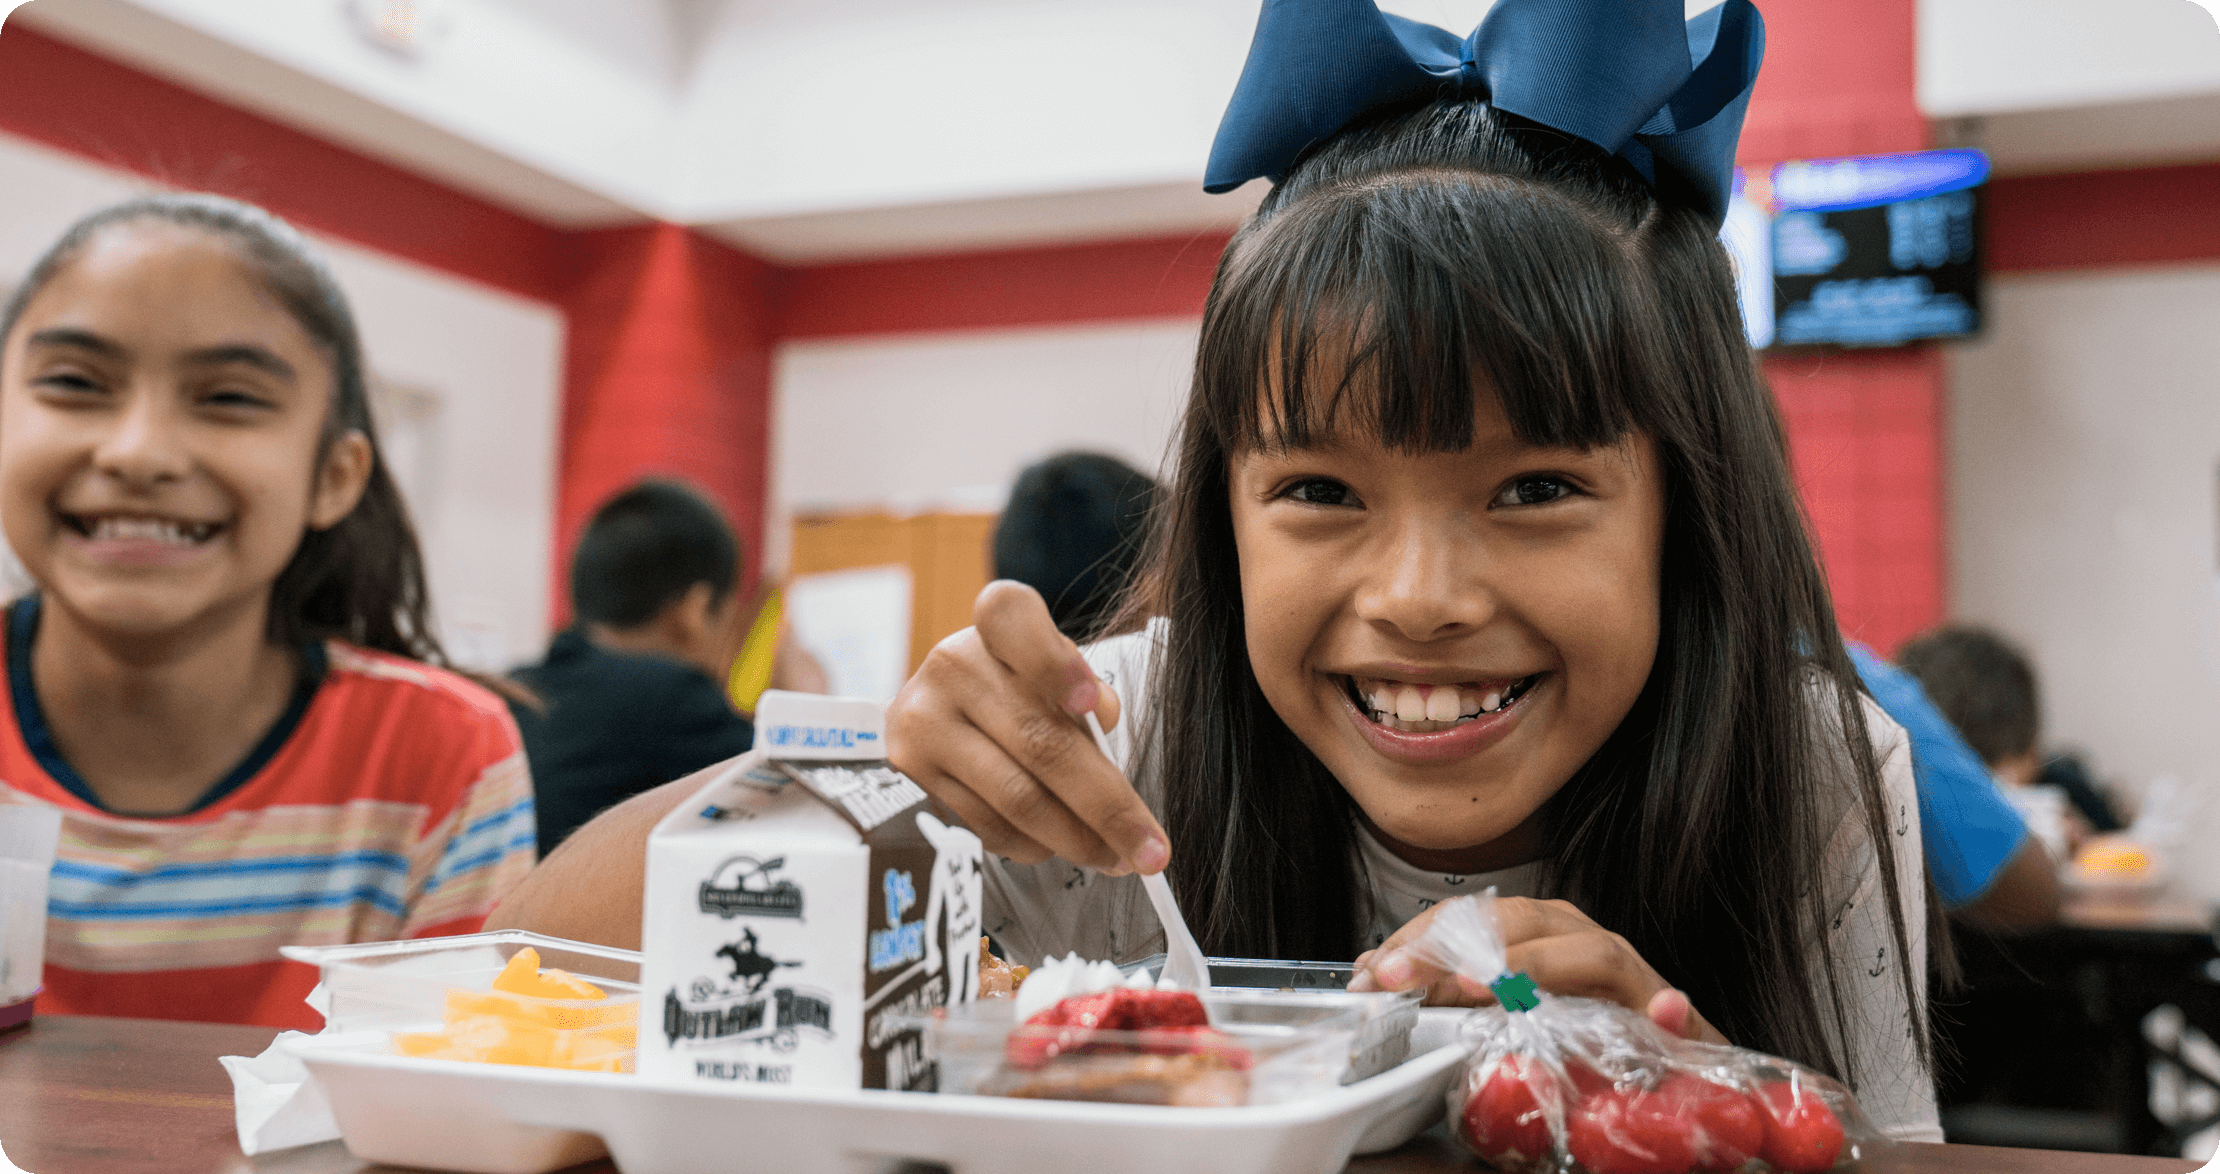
(802, 904)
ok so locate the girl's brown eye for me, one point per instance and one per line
(1536, 490)
(1320, 491)
(233, 399)
(67, 382)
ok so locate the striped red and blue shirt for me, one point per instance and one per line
(391, 801)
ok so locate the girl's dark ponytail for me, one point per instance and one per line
(362, 579)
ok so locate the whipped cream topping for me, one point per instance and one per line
(1057, 979)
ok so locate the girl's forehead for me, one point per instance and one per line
(153, 286)
(140, 251)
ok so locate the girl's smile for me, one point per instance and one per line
(1452, 633)
(136, 539)
(1404, 718)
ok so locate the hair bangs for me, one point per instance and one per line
(1369, 310)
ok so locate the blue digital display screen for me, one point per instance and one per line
(1877, 250)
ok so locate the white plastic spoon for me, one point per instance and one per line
(1184, 963)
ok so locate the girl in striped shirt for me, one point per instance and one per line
(226, 677)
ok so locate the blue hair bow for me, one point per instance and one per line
(1626, 75)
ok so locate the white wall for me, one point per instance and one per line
(945, 421)
(2074, 85)
(1993, 56)
(2085, 507)
(489, 360)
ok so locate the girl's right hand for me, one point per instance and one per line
(991, 725)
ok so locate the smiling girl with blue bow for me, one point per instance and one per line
(1482, 566)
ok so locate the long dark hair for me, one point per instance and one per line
(1399, 266)
(362, 579)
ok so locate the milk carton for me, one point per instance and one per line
(801, 905)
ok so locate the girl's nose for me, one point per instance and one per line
(1426, 584)
(145, 447)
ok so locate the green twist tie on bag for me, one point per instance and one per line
(1515, 992)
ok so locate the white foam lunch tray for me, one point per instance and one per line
(505, 1119)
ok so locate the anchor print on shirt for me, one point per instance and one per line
(1880, 962)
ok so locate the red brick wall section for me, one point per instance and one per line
(1866, 437)
(1864, 427)
(667, 370)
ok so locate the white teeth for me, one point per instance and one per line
(1428, 708)
(147, 530)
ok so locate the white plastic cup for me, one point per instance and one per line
(29, 837)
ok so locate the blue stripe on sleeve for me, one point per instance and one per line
(124, 878)
(166, 910)
(486, 840)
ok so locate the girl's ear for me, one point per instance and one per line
(340, 481)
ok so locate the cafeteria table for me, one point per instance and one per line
(121, 1096)
(2084, 1081)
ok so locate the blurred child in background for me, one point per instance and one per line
(225, 678)
(632, 695)
(1987, 688)
(1072, 531)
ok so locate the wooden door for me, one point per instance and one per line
(946, 554)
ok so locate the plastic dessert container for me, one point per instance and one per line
(405, 1110)
(412, 986)
(1270, 1048)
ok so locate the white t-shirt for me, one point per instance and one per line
(1052, 908)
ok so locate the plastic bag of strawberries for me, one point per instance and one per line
(1571, 1084)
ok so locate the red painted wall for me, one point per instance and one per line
(1165, 278)
(2101, 219)
(667, 370)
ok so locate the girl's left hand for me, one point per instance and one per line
(1559, 948)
